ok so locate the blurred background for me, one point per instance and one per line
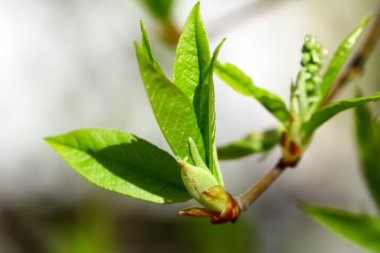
(68, 64)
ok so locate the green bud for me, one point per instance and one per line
(312, 68)
(317, 79)
(310, 87)
(316, 57)
(306, 58)
(310, 42)
(196, 179)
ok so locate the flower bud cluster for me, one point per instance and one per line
(313, 55)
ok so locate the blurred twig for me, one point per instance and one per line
(241, 14)
(247, 198)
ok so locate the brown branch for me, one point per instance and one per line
(247, 198)
(356, 64)
(236, 17)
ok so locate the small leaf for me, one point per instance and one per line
(161, 9)
(173, 110)
(121, 162)
(340, 57)
(193, 54)
(252, 143)
(244, 85)
(358, 228)
(196, 156)
(204, 105)
(329, 111)
(148, 50)
(368, 140)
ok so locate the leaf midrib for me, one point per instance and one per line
(116, 161)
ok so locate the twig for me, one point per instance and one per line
(356, 64)
(355, 67)
(247, 198)
(236, 17)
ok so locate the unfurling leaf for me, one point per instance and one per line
(255, 142)
(368, 140)
(193, 68)
(358, 228)
(121, 162)
(172, 108)
(243, 84)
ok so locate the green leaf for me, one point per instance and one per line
(340, 57)
(121, 162)
(173, 110)
(193, 54)
(255, 142)
(368, 140)
(204, 106)
(161, 9)
(358, 228)
(193, 69)
(148, 50)
(244, 85)
(329, 111)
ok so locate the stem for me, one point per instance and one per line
(356, 64)
(247, 198)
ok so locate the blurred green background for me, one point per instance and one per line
(67, 64)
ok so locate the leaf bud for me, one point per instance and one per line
(196, 179)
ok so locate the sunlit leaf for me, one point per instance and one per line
(327, 112)
(193, 55)
(204, 105)
(255, 142)
(358, 228)
(340, 58)
(121, 162)
(244, 85)
(145, 43)
(173, 110)
(193, 70)
(368, 140)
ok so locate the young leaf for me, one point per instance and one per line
(327, 112)
(173, 110)
(204, 106)
(358, 228)
(368, 140)
(244, 85)
(148, 50)
(121, 162)
(193, 54)
(252, 143)
(196, 156)
(340, 57)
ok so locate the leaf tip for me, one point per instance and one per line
(49, 140)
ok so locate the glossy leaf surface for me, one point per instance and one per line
(121, 162)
